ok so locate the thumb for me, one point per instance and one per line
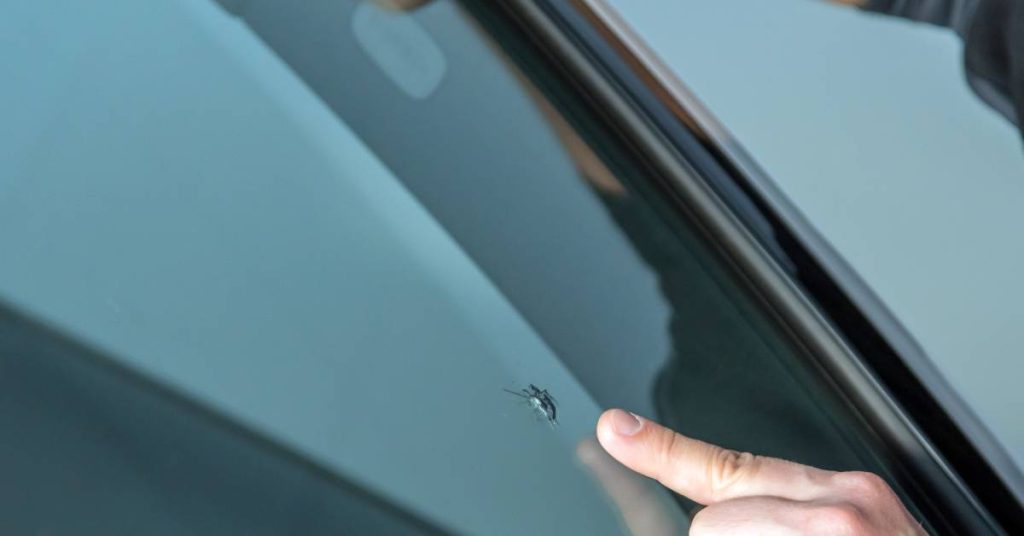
(701, 471)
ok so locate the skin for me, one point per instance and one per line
(749, 494)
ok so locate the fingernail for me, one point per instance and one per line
(625, 423)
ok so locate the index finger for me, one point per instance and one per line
(703, 472)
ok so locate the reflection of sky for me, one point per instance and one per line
(867, 125)
(179, 198)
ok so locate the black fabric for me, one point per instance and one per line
(994, 53)
(953, 14)
(993, 33)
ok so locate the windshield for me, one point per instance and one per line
(362, 247)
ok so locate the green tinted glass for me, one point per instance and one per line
(312, 246)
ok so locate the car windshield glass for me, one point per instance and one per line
(324, 245)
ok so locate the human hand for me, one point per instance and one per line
(748, 494)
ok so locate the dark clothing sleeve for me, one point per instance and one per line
(950, 13)
(993, 34)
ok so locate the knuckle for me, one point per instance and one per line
(727, 467)
(661, 448)
(840, 519)
(705, 524)
(668, 448)
(864, 486)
